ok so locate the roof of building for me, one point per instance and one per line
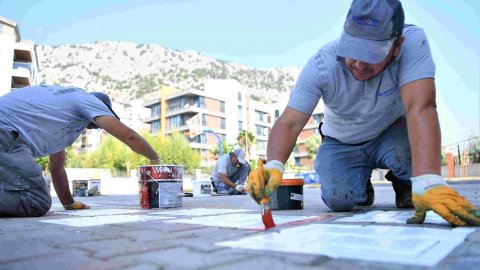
(12, 24)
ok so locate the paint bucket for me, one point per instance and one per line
(80, 188)
(202, 188)
(289, 195)
(160, 186)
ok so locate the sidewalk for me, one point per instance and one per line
(168, 239)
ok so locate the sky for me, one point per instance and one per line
(267, 33)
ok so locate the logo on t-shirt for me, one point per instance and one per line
(388, 92)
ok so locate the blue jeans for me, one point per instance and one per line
(23, 191)
(344, 169)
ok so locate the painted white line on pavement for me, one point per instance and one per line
(199, 212)
(98, 212)
(241, 221)
(102, 220)
(393, 217)
(389, 244)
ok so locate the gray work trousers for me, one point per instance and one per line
(23, 191)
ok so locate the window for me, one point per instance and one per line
(262, 145)
(176, 104)
(1, 28)
(277, 113)
(200, 102)
(204, 119)
(261, 130)
(200, 139)
(259, 115)
(240, 126)
(222, 106)
(222, 123)
(240, 113)
(155, 110)
(155, 126)
(239, 97)
(298, 162)
(176, 121)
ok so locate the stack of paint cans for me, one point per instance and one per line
(160, 186)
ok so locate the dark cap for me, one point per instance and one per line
(370, 30)
(106, 100)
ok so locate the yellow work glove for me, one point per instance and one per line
(76, 205)
(431, 192)
(263, 181)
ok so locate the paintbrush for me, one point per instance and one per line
(266, 210)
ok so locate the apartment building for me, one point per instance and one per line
(300, 153)
(259, 122)
(222, 110)
(131, 113)
(18, 58)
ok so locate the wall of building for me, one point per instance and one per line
(7, 45)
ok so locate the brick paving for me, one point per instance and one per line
(27, 243)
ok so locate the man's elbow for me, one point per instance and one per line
(427, 107)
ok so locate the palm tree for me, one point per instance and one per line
(245, 139)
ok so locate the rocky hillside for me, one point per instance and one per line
(128, 70)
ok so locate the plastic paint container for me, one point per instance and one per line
(289, 195)
(160, 186)
(202, 188)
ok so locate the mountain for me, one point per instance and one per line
(127, 70)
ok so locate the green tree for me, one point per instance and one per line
(111, 154)
(312, 144)
(115, 155)
(246, 139)
(226, 148)
(43, 162)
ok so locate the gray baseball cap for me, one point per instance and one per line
(240, 155)
(370, 29)
(106, 100)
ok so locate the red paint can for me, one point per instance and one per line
(160, 186)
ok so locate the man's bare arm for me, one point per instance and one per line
(423, 126)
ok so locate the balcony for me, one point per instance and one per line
(171, 111)
(22, 73)
(23, 55)
(19, 82)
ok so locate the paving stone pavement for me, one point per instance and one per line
(28, 243)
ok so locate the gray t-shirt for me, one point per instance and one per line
(358, 111)
(49, 118)
(223, 165)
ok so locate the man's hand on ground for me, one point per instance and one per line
(76, 205)
(240, 188)
(431, 192)
(264, 180)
